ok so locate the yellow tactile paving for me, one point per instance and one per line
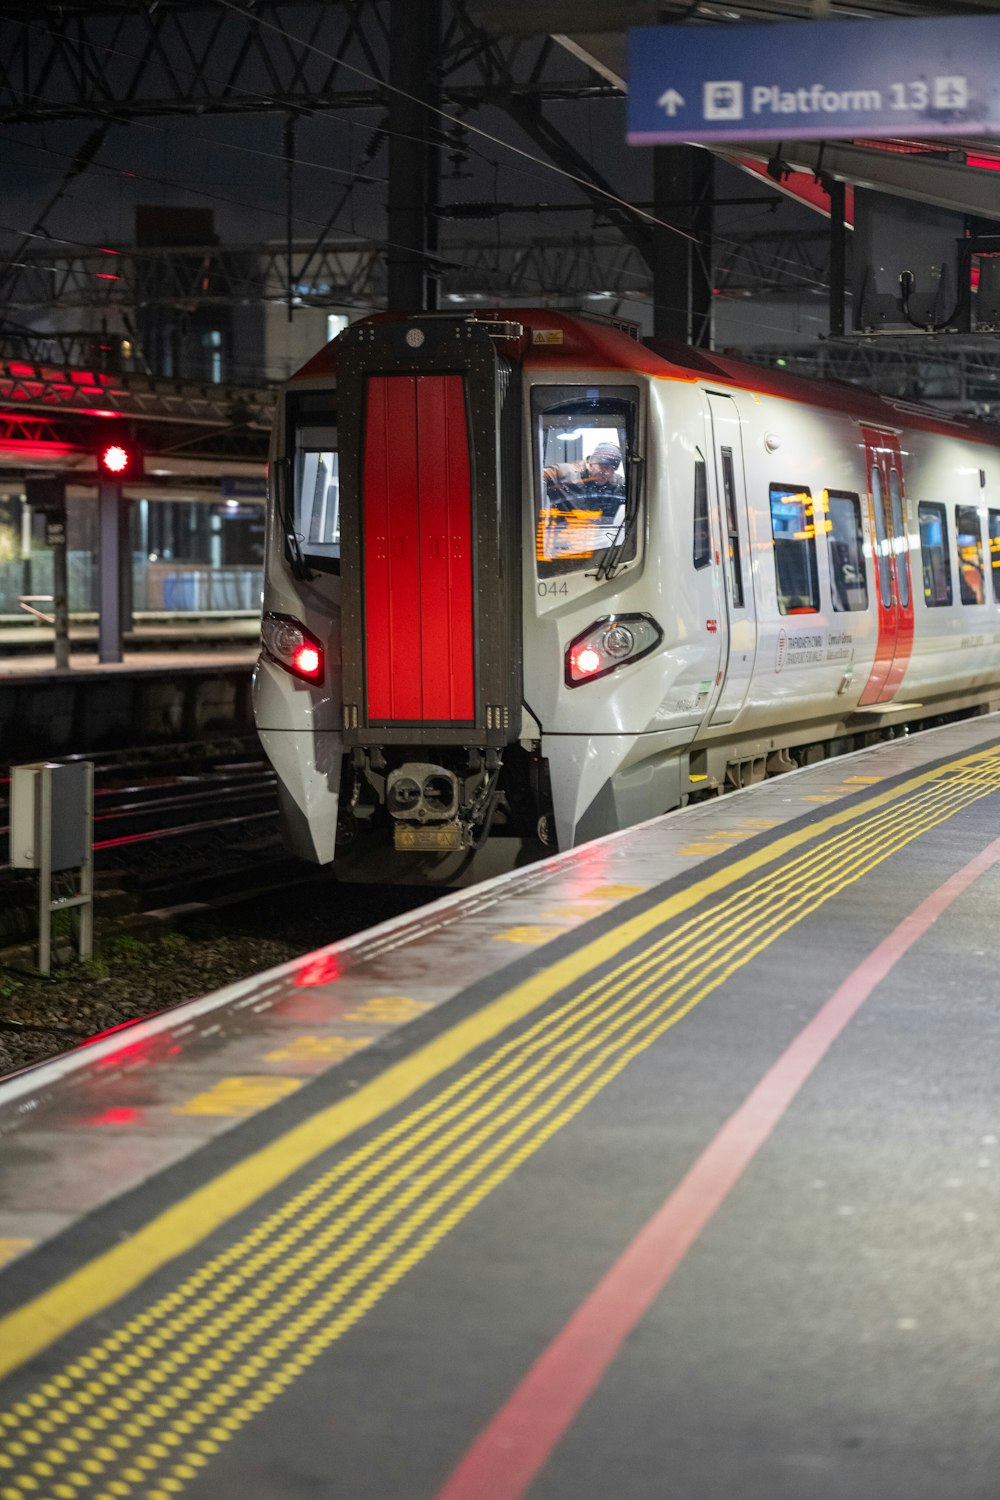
(613, 892)
(239, 1096)
(579, 911)
(386, 1009)
(319, 1049)
(527, 934)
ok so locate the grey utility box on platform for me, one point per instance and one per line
(51, 831)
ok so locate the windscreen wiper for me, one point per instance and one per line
(293, 548)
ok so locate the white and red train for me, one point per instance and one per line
(471, 650)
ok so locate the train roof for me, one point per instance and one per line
(554, 340)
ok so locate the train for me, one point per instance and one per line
(480, 645)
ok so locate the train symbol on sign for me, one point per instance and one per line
(723, 101)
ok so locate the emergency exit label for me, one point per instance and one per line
(807, 79)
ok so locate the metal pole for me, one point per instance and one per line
(25, 546)
(60, 603)
(414, 47)
(87, 872)
(838, 256)
(109, 501)
(44, 857)
(125, 543)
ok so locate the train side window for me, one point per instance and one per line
(846, 549)
(587, 478)
(881, 540)
(793, 528)
(702, 530)
(316, 515)
(994, 524)
(969, 532)
(732, 528)
(901, 543)
(934, 555)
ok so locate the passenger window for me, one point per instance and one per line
(702, 530)
(970, 555)
(994, 524)
(584, 439)
(316, 498)
(881, 540)
(845, 548)
(794, 531)
(732, 527)
(934, 554)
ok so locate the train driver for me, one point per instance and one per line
(591, 483)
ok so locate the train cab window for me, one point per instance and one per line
(793, 528)
(994, 524)
(934, 554)
(316, 499)
(971, 579)
(586, 490)
(846, 550)
(702, 552)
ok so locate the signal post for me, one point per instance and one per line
(119, 459)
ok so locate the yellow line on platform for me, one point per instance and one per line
(117, 1271)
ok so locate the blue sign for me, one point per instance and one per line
(814, 80)
(243, 487)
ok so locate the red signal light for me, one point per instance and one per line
(118, 454)
(114, 459)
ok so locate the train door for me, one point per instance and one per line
(418, 565)
(893, 584)
(739, 647)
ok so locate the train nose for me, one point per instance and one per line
(422, 793)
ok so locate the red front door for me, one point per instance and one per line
(417, 509)
(893, 585)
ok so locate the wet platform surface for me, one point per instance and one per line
(667, 1167)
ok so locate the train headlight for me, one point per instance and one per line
(616, 641)
(292, 646)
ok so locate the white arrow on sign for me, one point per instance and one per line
(671, 101)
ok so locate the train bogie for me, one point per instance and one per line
(529, 581)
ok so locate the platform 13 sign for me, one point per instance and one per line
(809, 80)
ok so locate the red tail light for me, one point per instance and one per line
(288, 642)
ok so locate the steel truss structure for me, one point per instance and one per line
(48, 408)
(947, 371)
(352, 274)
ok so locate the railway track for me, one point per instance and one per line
(205, 816)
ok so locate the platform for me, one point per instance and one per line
(27, 650)
(666, 1167)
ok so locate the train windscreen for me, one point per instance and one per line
(585, 481)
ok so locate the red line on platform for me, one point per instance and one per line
(509, 1452)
